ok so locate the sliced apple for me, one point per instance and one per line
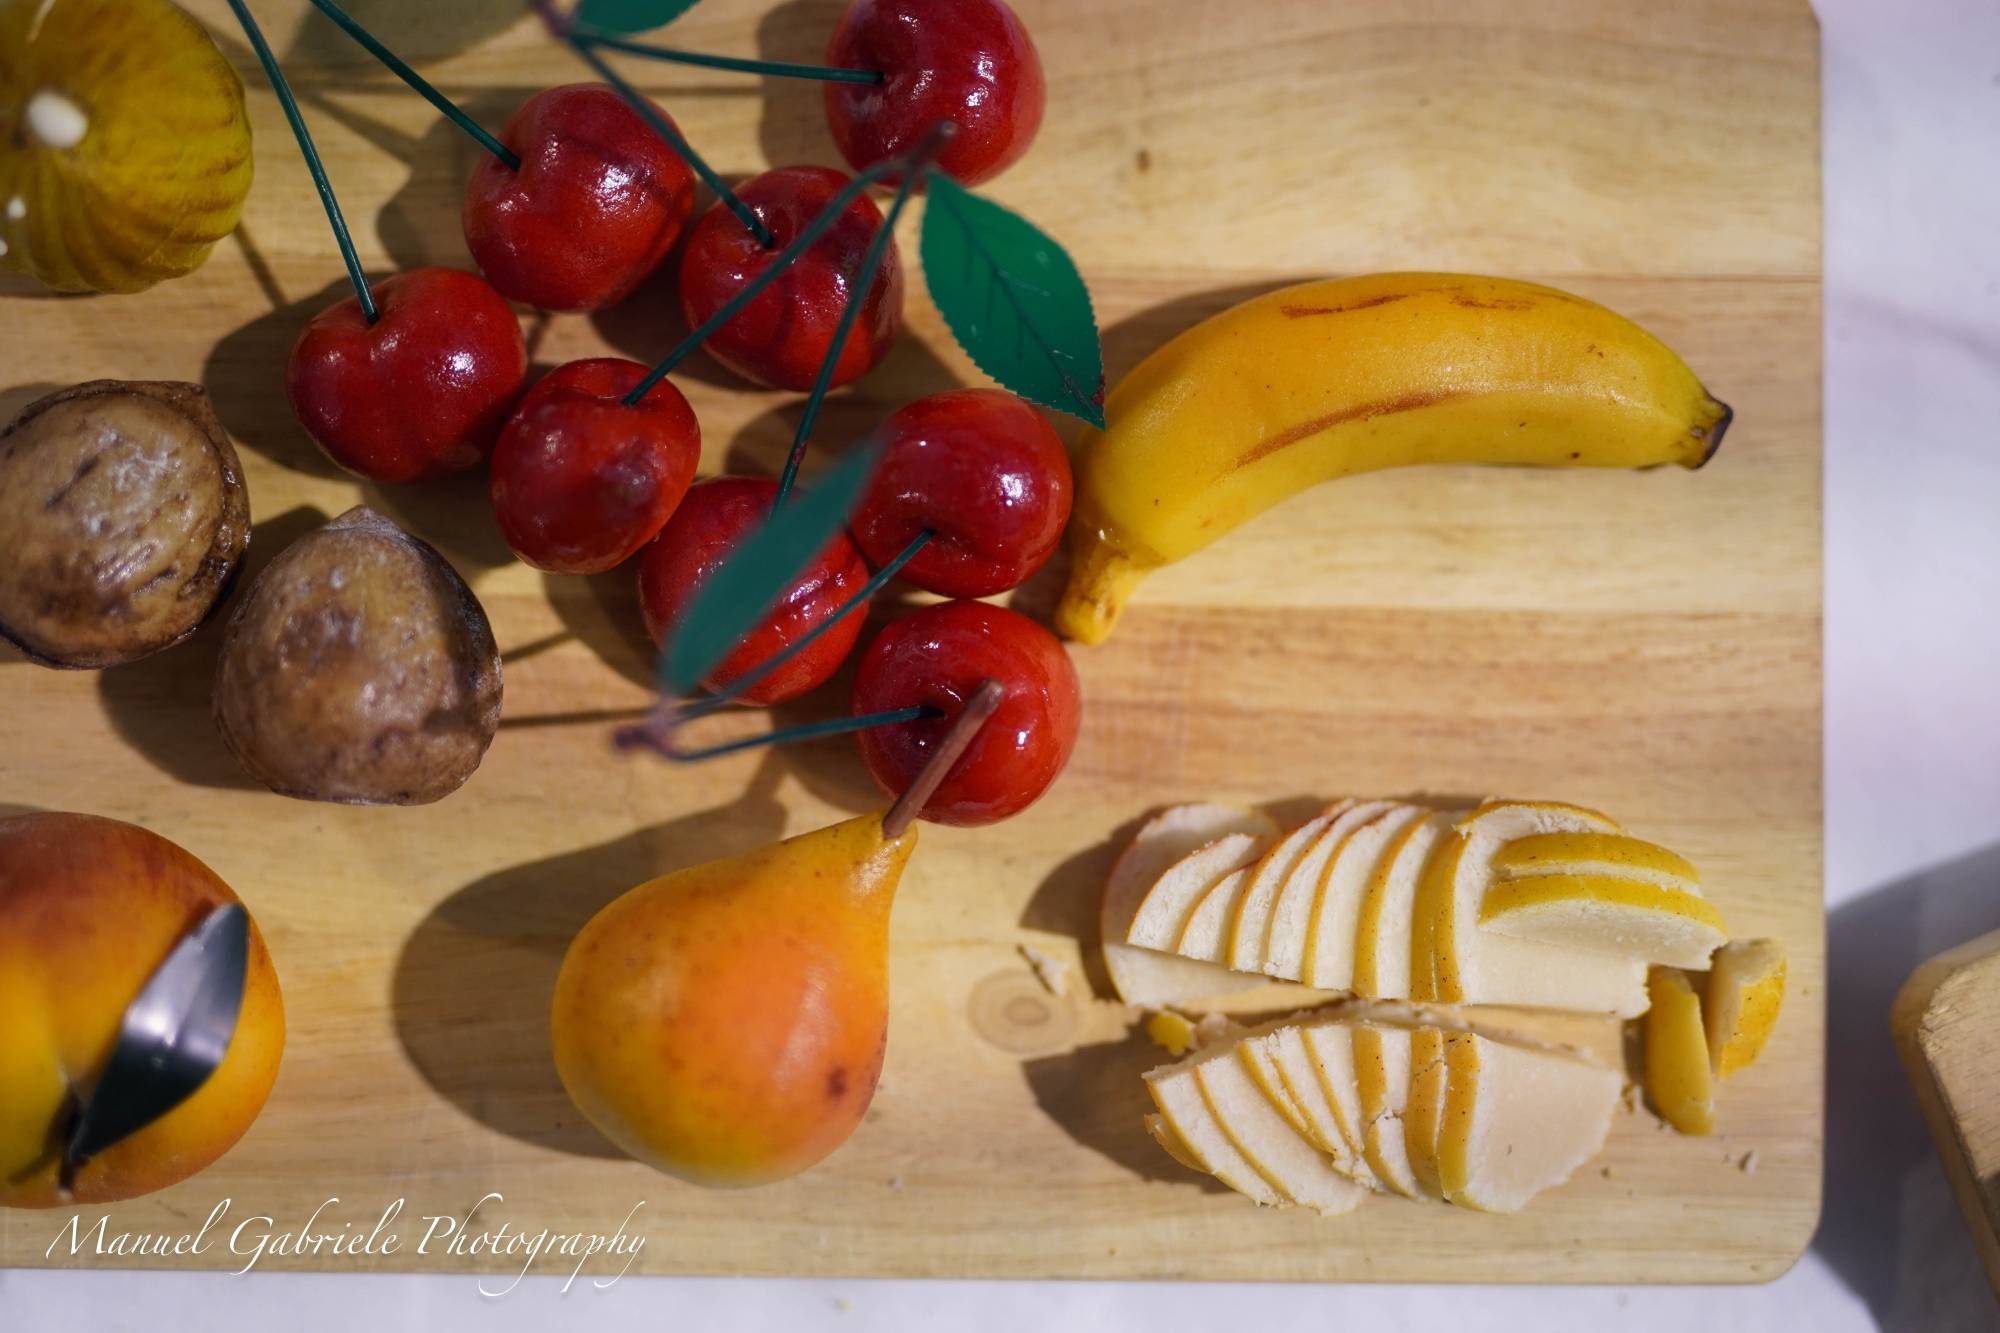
(1330, 1047)
(1264, 890)
(1144, 976)
(1287, 897)
(1614, 854)
(1679, 1083)
(1626, 918)
(1481, 966)
(1172, 898)
(1162, 1134)
(1286, 1159)
(1518, 1119)
(1746, 987)
(1285, 1070)
(1388, 906)
(1184, 1111)
(1330, 940)
(1382, 1077)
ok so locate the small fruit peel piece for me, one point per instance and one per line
(1679, 1085)
(1603, 914)
(1746, 988)
(1171, 1032)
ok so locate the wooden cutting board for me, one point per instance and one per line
(1947, 1026)
(1647, 644)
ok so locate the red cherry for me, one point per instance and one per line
(715, 516)
(598, 201)
(966, 61)
(937, 656)
(580, 481)
(780, 338)
(981, 469)
(423, 390)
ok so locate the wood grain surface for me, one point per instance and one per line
(1947, 1026)
(1647, 644)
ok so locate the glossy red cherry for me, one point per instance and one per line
(985, 473)
(715, 516)
(581, 481)
(937, 656)
(423, 390)
(597, 202)
(966, 61)
(781, 337)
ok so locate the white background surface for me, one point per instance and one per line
(1912, 154)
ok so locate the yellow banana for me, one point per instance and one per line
(1349, 375)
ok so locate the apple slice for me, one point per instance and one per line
(1326, 946)
(1679, 1081)
(1518, 1119)
(1184, 1110)
(1250, 921)
(1746, 987)
(1164, 910)
(1284, 1070)
(1268, 935)
(1206, 934)
(1162, 1134)
(1144, 976)
(1626, 918)
(1330, 1047)
(1382, 935)
(1613, 854)
(1479, 966)
(1382, 1078)
(1284, 1157)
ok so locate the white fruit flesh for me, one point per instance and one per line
(1283, 1054)
(1286, 1159)
(1330, 1047)
(1277, 898)
(1267, 881)
(1382, 1077)
(1614, 854)
(1597, 913)
(1326, 947)
(1165, 908)
(1161, 1134)
(1382, 936)
(1144, 976)
(1185, 1111)
(1478, 966)
(1518, 1120)
(1205, 937)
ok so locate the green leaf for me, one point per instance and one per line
(750, 582)
(1013, 299)
(620, 17)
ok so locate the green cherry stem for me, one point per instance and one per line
(283, 89)
(584, 47)
(912, 166)
(452, 111)
(813, 231)
(748, 679)
(738, 64)
(657, 731)
(805, 731)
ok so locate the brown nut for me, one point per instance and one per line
(359, 668)
(123, 518)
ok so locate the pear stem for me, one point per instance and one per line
(283, 89)
(978, 710)
(781, 68)
(347, 23)
(652, 737)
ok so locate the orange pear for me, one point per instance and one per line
(725, 1023)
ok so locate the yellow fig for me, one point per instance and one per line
(124, 147)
